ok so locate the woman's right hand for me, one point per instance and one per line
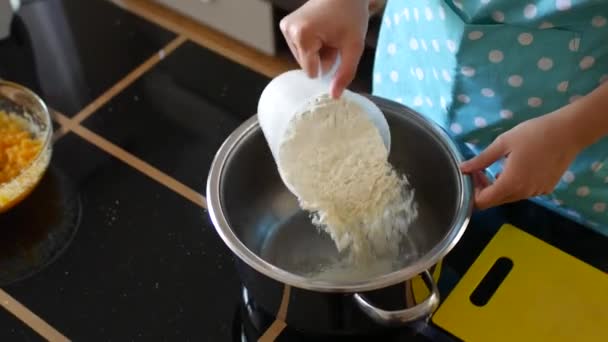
(321, 30)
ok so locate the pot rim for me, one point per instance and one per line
(425, 262)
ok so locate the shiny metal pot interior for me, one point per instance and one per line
(260, 221)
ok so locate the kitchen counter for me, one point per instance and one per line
(115, 244)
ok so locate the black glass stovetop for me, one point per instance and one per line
(115, 244)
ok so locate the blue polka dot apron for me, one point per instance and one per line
(480, 67)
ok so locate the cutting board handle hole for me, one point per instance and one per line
(491, 281)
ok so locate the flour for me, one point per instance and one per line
(334, 160)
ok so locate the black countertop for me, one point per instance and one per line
(114, 244)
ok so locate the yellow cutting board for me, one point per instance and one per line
(547, 295)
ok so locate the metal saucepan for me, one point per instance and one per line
(275, 242)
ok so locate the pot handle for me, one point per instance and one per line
(400, 317)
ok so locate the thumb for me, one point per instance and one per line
(493, 195)
(348, 67)
(501, 191)
(487, 157)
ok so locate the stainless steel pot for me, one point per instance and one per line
(260, 221)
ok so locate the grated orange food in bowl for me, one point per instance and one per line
(17, 146)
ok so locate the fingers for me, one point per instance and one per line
(310, 61)
(294, 50)
(328, 58)
(510, 186)
(304, 45)
(316, 43)
(493, 195)
(480, 180)
(507, 184)
(491, 154)
(348, 67)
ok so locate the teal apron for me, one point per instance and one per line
(480, 67)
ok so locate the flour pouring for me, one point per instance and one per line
(333, 155)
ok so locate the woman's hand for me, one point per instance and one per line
(537, 152)
(320, 30)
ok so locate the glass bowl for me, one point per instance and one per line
(28, 108)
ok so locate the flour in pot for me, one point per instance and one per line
(333, 157)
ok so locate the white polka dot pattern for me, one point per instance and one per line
(480, 122)
(435, 44)
(535, 102)
(456, 128)
(525, 38)
(394, 76)
(563, 5)
(515, 81)
(377, 77)
(435, 74)
(496, 56)
(481, 67)
(475, 35)
(545, 64)
(451, 45)
(568, 177)
(506, 114)
(413, 44)
(599, 207)
(396, 18)
(464, 98)
(530, 11)
(428, 14)
(596, 166)
(441, 13)
(446, 75)
(598, 21)
(574, 44)
(583, 191)
(467, 71)
(498, 16)
(587, 62)
(387, 22)
(487, 92)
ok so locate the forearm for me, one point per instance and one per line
(588, 117)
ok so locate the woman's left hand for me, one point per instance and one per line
(537, 152)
